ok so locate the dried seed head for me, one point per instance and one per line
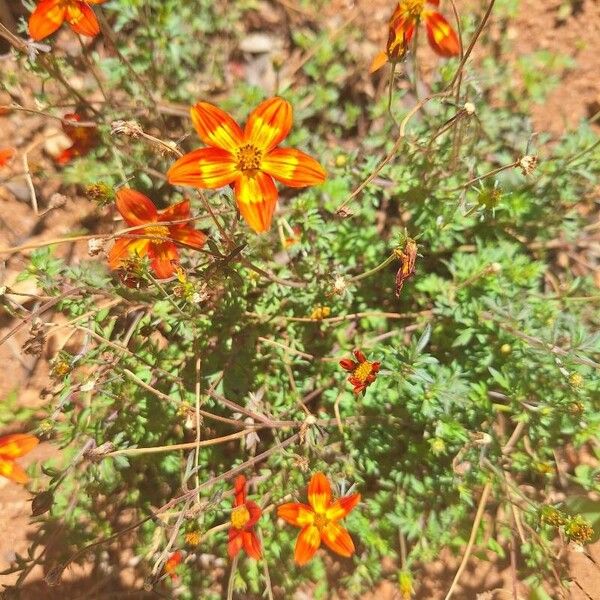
(129, 128)
(469, 108)
(57, 201)
(37, 338)
(340, 286)
(95, 246)
(98, 453)
(528, 164)
(481, 438)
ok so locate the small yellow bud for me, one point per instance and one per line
(506, 349)
(576, 380)
(193, 538)
(578, 530)
(438, 446)
(341, 160)
(405, 585)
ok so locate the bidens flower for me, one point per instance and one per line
(319, 521)
(442, 38)
(156, 239)
(248, 159)
(49, 15)
(14, 446)
(363, 372)
(244, 516)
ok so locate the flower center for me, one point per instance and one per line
(363, 371)
(248, 158)
(157, 233)
(413, 8)
(240, 516)
(320, 521)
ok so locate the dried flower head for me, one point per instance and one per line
(130, 129)
(528, 164)
(407, 257)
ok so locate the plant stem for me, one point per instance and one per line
(465, 559)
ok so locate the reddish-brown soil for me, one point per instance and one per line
(577, 96)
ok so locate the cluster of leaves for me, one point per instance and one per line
(476, 346)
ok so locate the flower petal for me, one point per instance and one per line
(293, 167)
(125, 247)
(269, 123)
(188, 236)
(341, 507)
(215, 127)
(348, 365)
(338, 539)
(47, 17)
(175, 212)
(239, 490)
(442, 38)
(135, 208)
(251, 544)
(17, 444)
(255, 511)
(5, 155)
(207, 168)
(380, 59)
(319, 493)
(296, 514)
(82, 19)
(256, 200)
(307, 544)
(163, 257)
(236, 542)
(11, 470)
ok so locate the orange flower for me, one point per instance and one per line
(14, 446)
(157, 241)
(172, 563)
(363, 372)
(319, 521)
(248, 159)
(49, 15)
(6, 155)
(442, 38)
(83, 138)
(244, 516)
